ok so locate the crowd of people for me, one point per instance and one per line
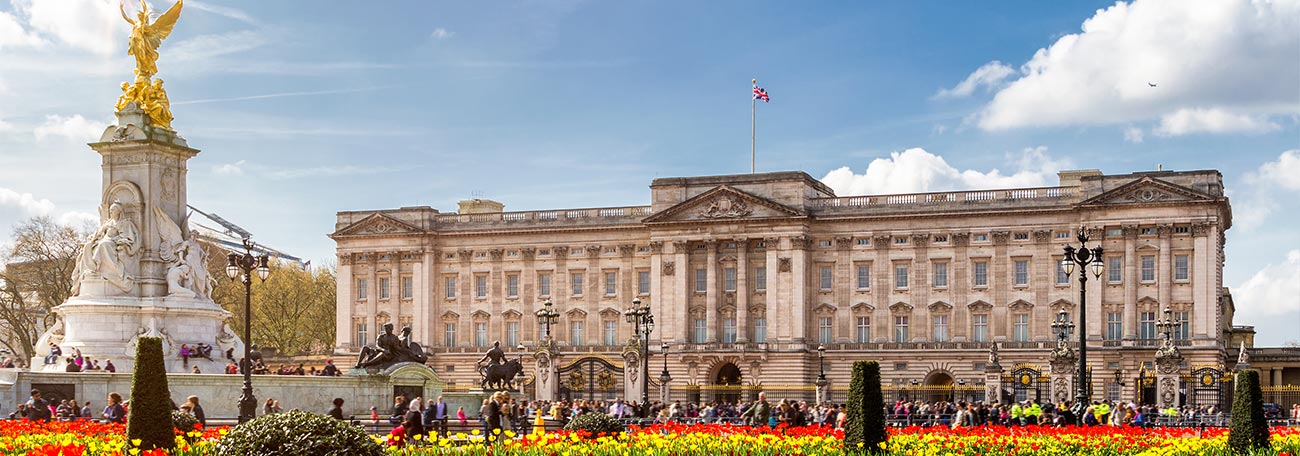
(38, 408)
(74, 362)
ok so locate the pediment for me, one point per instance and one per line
(576, 313)
(1148, 190)
(824, 309)
(863, 307)
(1021, 305)
(940, 307)
(479, 315)
(1059, 304)
(512, 314)
(610, 312)
(377, 224)
(979, 306)
(724, 203)
(900, 307)
(450, 316)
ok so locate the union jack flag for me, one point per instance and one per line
(760, 94)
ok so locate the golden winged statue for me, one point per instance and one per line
(146, 93)
(146, 36)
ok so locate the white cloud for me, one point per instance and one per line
(91, 25)
(1273, 290)
(12, 33)
(988, 76)
(442, 34)
(78, 219)
(204, 47)
(1133, 135)
(1234, 59)
(232, 13)
(327, 171)
(1188, 121)
(25, 201)
(916, 170)
(230, 169)
(1283, 172)
(76, 128)
(1258, 195)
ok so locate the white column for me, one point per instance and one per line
(343, 311)
(711, 292)
(742, 290)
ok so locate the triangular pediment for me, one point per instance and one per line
(724, 203)
(1148, 190)
(377, 224)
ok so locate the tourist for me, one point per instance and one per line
(399, 410)
(72, 366)
(185, 354)
(63, 411)
(77, 358)
(232, 369)
(336, 412)
(299, 370)
(203, 351)
(193, 402)
(114, 412)
(460, 415)
(492, 421)
(196, 370)
(269, 408)
(416, 404)
(759, 412)
(1295, 413)
(55, 353)
(330, 370)
(86, 411)
(374, 417)
(109, 367)
(413, 423)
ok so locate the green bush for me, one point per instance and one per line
(864, 430)
(150, 417)
(297, 433)
(185, 423)
(597, 424)
(1249, 429)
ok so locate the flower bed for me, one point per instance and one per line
(90, 439)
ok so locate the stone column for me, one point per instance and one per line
(798, 321)
(632, 370)
(496, 299)
(882, 284)
(528, 296)
(742, 290)
(1205, 267)
(960, 285)
(1000, 282)
(465, 297)
(711, 292)
(1130, 283)
(395, 287)
(773, 294)
(918, 287)
(681, 267)
(547, 362)
(993, 377)
(1165, 265)
(372, 296)
(345, 298)
(844, 284)
(419, 307)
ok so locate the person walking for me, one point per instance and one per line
(758, 412)
(336, 412)
(197, 410)
(493, 420)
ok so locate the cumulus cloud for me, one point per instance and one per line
(1257, 198)
(1188, 121)
(1271, 291)
(12, 33)
(76, 128)
(988, 76)
(1218, 66)
(91, 25)
(442, 34)
(26, 202)
(916, 170)
(230, 169)
(1283, 171)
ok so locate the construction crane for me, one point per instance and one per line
(231, 236)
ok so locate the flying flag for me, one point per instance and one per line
(760, 94)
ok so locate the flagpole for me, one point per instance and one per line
(752, 104)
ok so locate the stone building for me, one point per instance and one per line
(747, 275)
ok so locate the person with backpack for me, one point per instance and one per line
(38, 409)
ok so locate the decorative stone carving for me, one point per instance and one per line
(1200, 229)
(632, 359)
(843, 242)
(881, 241)
(187, 271)
(1061, 390)
(783, 264)
(528, 253)
(1168, 392)
(681, 246)
(960, 239)
(345, 259)
(627, 250)
(994, 358)
(496, 254)
(772, 243)
(667, 268)
(1042, 236)
(1147, 195)
(390, 349)
(465, 254)
(656, 246)
(109, 254)
(1001, 237)
(800, 242)
(920, 240)
(560, 251)
(1095, 233)
(726, 206)
(1164, 230)
(593, 251)
(1243, 357)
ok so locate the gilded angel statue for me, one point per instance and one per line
(146, 36)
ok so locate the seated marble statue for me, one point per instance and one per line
(389, 349)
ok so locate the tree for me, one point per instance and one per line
(293, 310)
(150, 417)
(1248, 428)
(865, 427)
(37, 276)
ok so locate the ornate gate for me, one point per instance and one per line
(1026, 381)
(1205, 386)
(592, 377)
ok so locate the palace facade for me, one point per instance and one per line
(747, 275)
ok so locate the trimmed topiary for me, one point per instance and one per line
(864, 430)
(297, 433)
(185, 423)
(150, 417)
(597, 424)
(1249, 428)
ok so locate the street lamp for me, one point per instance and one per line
(547, 316)
(821, 373)
(664, 377)
(914, 383)
(241, 267)
(961, 385)
(1086, 259)
(1166, 325)
(1063, 326)
(643, 324)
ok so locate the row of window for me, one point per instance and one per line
(980, 327)
(481, 289)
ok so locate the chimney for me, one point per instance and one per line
(1074, 178)
(479, 206)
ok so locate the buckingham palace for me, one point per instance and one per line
(748, 276)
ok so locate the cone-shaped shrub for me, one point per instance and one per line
(1249, 429)
(150, 413)
(865, 428)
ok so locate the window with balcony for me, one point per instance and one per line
(611, 332)
(575, 333)
(729, 330)
(480, 335)
(1184, 320)
(449, 334)
(701, 331)
(760, 330)
(363, 336)
(824, 333)
(1147, 325)
(1114, 325)
(512, 333)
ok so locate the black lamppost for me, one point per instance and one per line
(914, 389)
(643, 324)
(546, 316)
(1086, 259)
(961, 385)
(241, 266)
(664, 377)
(821, 373)
(1166, 325)
(1063, 326)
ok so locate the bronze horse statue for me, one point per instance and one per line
(502, 376)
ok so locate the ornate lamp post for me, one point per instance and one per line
(961, 385)
(241, 266)
(1086, 259)
(644, 324)
(1062, 326)
(914, 390)
(664, 376)
(547, 317)
(821, 373)
(1167, 325)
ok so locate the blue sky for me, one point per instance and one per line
(303, 109)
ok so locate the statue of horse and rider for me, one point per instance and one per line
(389, 349)
(498, 374)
